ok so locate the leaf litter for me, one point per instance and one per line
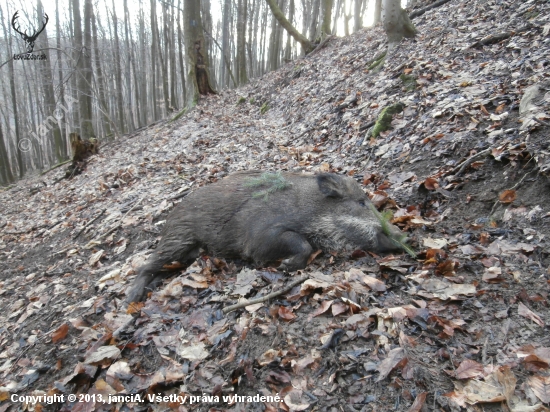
(461, 326)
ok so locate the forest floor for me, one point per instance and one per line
(463, 326)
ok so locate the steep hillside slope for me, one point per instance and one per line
(463, 324)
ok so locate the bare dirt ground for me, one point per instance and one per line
(463, 326)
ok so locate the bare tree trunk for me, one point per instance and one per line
(163, 64)
(357, 17)
(288, 47)
(180, 57)
(313, 19)
(119, 97)
(278, 14)
(224, 75)
(396, 22)
(100, 82)
(154, 60)
(327, 15)
(11, 72)
(47, 89)
(6, 175)
(87, 120)
(199, 80)
(143, 70)
(64, 152)
(241, 42)
(263, 40)
(377, 12)
(172, 60)
(207, 25)
(129, 104)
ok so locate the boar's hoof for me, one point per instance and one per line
(143, 285)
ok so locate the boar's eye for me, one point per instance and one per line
(362, 203)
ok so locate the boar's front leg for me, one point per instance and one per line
(290, 246)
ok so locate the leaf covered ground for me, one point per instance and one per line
(463, 326)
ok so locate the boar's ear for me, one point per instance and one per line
(331, 185)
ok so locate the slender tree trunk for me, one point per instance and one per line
(131, 118)
(377, 12)
(100, 81)
(241, 42)
(180, 57)
(87, 120)
(263, 40)
(143, 69)
(307, 45)
(288, 47)
(47, 89)
(6, 175)
(224, 75)
(119, 97)
(199, 80)
(11, 73)
(61, 96)
(357, 17)
(163, 70)
(314, 19)
(327, 15)
(154, 43)
(172, 60)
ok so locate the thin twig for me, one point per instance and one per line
(89, 223)
(512, 188)
(541, 122)
(462, 166)
(266, 297)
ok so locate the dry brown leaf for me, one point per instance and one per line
(338, 308)
(325, 305)
(286, 313)
(541, 387)
(60, 333)
(469, 369)
(104, 354)
(386, 366)
(529, 314)
(373, 283)
(508, 196)
(418, 402)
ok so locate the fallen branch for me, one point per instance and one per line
(56, 166)
(266, 297)
(321, 45)
(541, 122)
(180, 195)
(89, 223)
(495, 38)
(462, 166)
(425, 9)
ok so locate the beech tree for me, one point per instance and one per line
(307, 45)
(396, 22)
(198, 79)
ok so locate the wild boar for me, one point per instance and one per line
(266, 217)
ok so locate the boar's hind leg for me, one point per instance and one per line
(290, 246)
(152, 273)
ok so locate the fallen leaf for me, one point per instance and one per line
(529, 314)
(541, 387)
(469, 369)
(60, 333)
